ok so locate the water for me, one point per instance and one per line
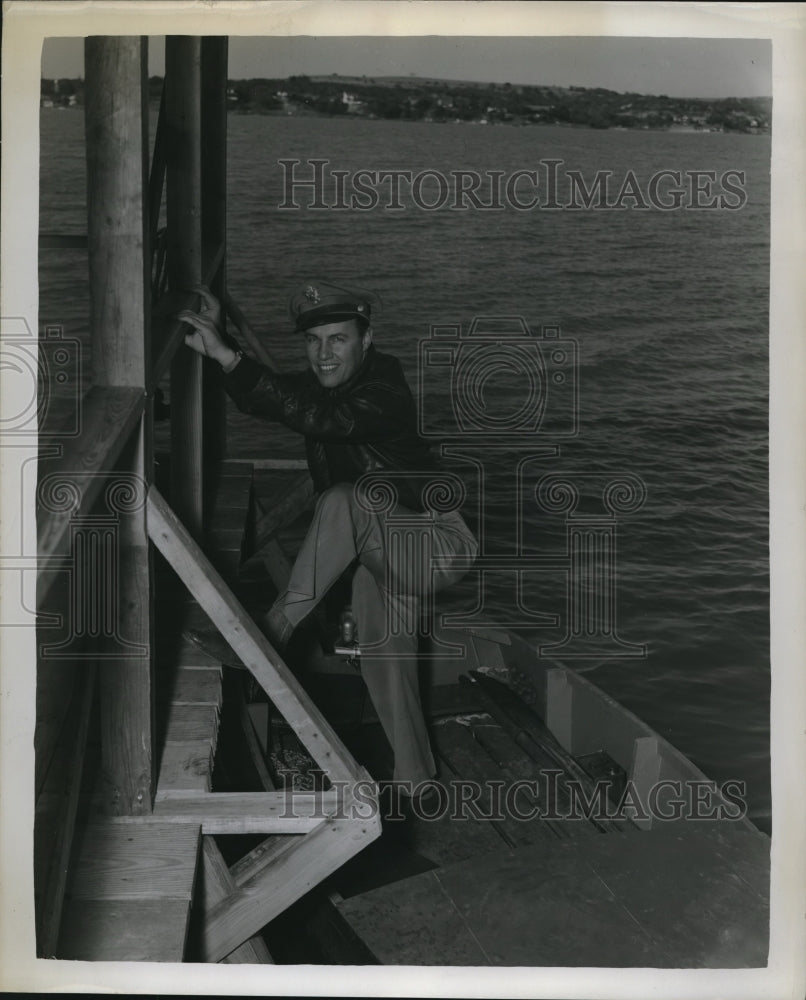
(669, 310)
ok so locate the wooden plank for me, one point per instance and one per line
(216, 885)
(516, 766)
(307, 861)
(185, 767)
(532, 735)
(191, 723)
(645, 773)
(188, 686)
(135, 861)
(56, 815)
(226, 613)
(124, 930)
(455, 745)
(248, 812)
(266, 853)
(184, 237)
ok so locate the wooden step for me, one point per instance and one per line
(129, 893)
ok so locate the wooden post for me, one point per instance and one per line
(214, 231)
(183, 175)
(116, 72)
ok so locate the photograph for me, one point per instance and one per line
(402, 499)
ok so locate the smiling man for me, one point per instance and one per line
(357, 415)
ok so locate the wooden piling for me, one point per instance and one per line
(183, 183)
(116, 73)
(214, 231)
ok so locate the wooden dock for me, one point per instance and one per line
(696, 898)
(129, 557)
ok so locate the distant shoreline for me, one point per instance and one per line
(454, 102)
(682, 129)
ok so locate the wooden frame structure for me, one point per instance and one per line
(135, 342)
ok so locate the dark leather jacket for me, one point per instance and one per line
(368, 424)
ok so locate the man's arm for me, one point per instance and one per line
(207, 337)
(376, 409)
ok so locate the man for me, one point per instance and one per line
(357, 415)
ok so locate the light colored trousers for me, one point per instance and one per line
(402, 557)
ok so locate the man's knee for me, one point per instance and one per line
(337, 503)
(341, 505)
(341, 493)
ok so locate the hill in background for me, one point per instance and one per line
(431, 100)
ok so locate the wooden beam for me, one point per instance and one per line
(214, 228)
(282, 812)
(216, 885)
(116, 113)
(156, 178)
(260, 857)
(183, 165)
(254, 649)
(248, 334)
(306, 861)
(116, 116)
(168, 331)
(127, 688)
(56, 815)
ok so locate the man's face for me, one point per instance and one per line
(335, 351)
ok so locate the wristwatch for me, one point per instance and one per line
(233, 364)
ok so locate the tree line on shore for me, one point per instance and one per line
(417, 99)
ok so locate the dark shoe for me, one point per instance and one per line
(276, 627)
(214, 645)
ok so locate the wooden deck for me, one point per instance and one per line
(693, 898)
(132, 878)
(457, 887)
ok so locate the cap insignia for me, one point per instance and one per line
(312, 294)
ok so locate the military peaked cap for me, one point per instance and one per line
(318, 302)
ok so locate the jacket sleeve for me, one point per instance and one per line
(375, 409)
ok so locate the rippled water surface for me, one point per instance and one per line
(669, 314)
